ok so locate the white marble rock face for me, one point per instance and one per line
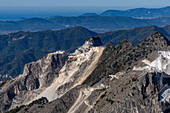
(166, 96)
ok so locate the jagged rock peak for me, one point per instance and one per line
(110, 45)
(156, 40)
(94, 41)
(126, 41)
(49, 59)
(159, 35)
(90, 42)
(124, 44)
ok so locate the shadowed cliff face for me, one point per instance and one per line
(36, 76)
(45, 70)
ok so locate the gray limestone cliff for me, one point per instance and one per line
(36, 76)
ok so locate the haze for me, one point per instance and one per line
(16, 9)
(116, 3)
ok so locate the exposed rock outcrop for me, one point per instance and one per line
(78, 67)
(127, 93)
(35, 78)
(52, 76)
(84, 83)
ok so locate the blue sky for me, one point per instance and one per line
(89, 3)
(16, 9)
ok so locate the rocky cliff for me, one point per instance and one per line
(35, 78)
(122, 78)
(130, 90)
(52, 76)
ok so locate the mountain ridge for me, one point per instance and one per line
(56, 73)
(140, 12)
(129, 53)
(24, 47)
(20, 48)
(114, 83)
(95, 23)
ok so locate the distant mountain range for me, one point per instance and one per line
(20, 48)
(143, 13)
(94, 23)
(109, 20)
(77, 70)
(140, 13)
